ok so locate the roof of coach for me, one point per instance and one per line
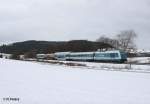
(81, 53)
(112, 51)
(61, 53)
(75, 53)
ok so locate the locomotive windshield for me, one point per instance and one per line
(123, 55)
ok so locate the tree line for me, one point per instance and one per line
(31, 48)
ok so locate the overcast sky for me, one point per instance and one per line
(73, 19)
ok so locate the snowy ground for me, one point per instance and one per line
(145, 68)
(139, 60)
(35, 83)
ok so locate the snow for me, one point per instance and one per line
(110, 66)
(142, 51)
(139, 60)
(36, 83)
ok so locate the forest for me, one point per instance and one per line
(52, 46)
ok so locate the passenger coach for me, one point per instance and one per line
(98, 56)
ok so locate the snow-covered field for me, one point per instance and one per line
(139, 60)
(35, 83)
(141, 68)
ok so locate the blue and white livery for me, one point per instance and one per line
(104, 56)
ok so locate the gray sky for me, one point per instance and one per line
(73, 19)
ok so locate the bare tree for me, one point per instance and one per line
(126, 40)
(102, 39)
(112, 42)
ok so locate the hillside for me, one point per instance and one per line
(52, 46)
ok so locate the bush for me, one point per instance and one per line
(1, 56)
(31, 54)
(15, 56)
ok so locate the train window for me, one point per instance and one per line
(113, 55)
(67, 55)
(107, 55)
(123, 55)
(116, 55)
(60, 56)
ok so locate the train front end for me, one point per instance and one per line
(123, 56)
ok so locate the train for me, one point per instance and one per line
(97, 56)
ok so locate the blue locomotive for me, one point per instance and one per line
(98, 56)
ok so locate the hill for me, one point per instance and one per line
(52, 46)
